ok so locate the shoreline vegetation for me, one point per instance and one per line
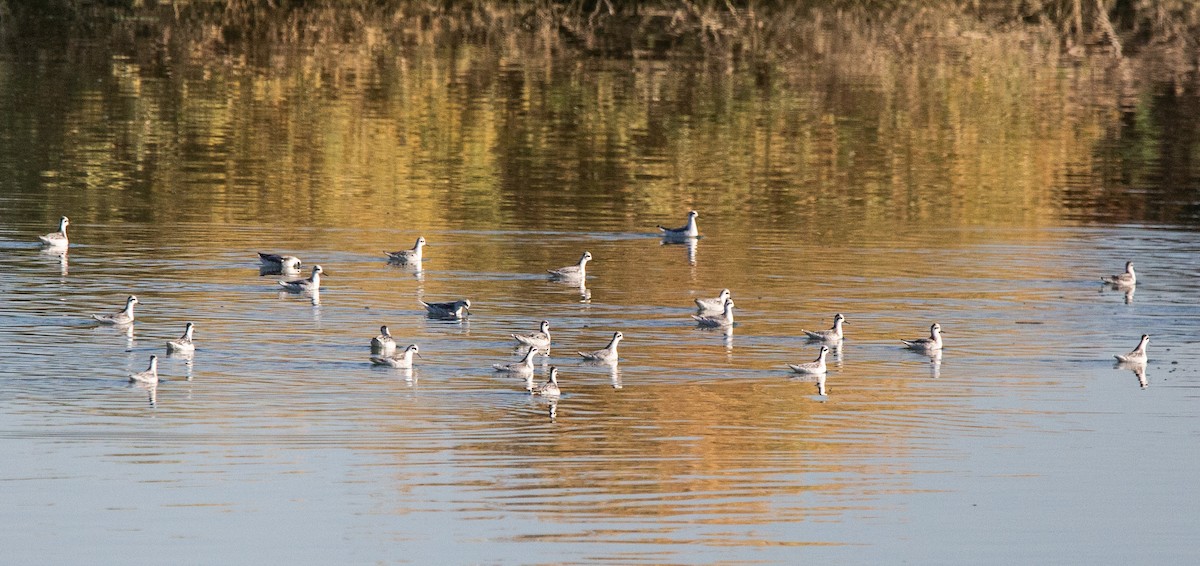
(1049, 107)
(756, 32)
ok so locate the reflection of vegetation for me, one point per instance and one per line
(947, 112)
(764, 29)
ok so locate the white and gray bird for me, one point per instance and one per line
(814, 367)
(577, 272)
(684, 232)
(311, 284)
(606, 354)
(408, 256)
(284, 264)
(539, 339)
(934, 342)
(183, 344)
(124, 316)
(723, 321)
(453, 310)
(550, 387)
(57, 239)
(383, 344)
(832, 335)
(1127, 279)
(523, 367)
(402, 359)
(150, 376)
(1138, 354)
(713, 305)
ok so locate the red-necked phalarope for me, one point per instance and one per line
(934, 342)
(684, 232)
(1127, 279)
(1138, 354)
(408, 256)
(832, 335)
(125, 316)
(310, 285)
(150, 376)
(724, 320)
(608, 353)
(572, 272)
(814, 367)
(184, 343)
(456, 309)
(713, 305)
(57, 239)
(402, 359)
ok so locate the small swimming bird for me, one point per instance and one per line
(608, 353)
(150, 376)
(725, 320)
(384, 343)
(550, 388)
(1127, 279)
(814, 367)
(934, 342)
(309, 285)
(280, 263)
(832, 335)
(183, 343)
(688, 230)
(402, 360)
(539, 339)
(713, 305)
(408, 256)
(456, 309)
(523, 367)
(57, 239)
(1138, 354)
(572, 272)
(125, 316)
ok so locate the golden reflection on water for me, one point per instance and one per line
(900, 197)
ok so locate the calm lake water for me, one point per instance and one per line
(986, 197)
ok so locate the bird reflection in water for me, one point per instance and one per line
(1138, 369)
(935, 364)
(1127, 290)
(614, 376)
(59, 255)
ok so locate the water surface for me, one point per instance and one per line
(280, 442)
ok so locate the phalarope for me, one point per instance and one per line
(572, 272)
(1138, 354)
(150, 376)
(310, 285)
(57, 239)
(539, 339)
(713, 305)
(402, 360)
(408, 256)
(684, 232)
(457, 309)
(1127, 279)
(725, 320)
(279, 263)
(523, 367)
(832, 335)
(125, 316)
(814, 367)
(934, 342)
(550, 388)
(608, 353)
(384, 343)
(183, 343)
